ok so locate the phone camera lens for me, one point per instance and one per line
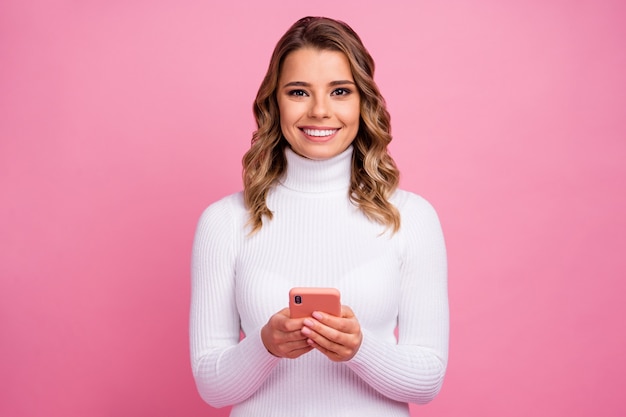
(298, 299)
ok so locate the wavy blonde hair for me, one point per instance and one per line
(374, 174)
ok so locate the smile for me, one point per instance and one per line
(320, 132)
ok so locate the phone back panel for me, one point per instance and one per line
(303, 301)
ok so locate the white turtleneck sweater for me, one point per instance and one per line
(319, 238)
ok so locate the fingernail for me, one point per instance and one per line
(306, 331)
(317, 315)
(308, 323)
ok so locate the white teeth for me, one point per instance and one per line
(319, 132)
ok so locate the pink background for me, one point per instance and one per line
(121, 120)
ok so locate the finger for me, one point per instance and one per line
(278, 337)
(299, 352)
(289, 349)
(316, 331)
(347, 323)
(293, 346)
(346, 313)
(283, 322)
(294, 349)
(344, 345)
(337, 353)
(322, 340)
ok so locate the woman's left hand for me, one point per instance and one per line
(339, 338)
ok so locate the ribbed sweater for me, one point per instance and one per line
(319, 238)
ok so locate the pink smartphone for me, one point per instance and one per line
(303, 301)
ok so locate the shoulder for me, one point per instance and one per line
(218, 234)
(420, 233)
(227, 212)
(232, 204)
(412, 205)
(418, 217)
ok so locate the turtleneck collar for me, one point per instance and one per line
(313, 176)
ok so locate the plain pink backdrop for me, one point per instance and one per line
(120, 121)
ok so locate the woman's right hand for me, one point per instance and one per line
(282, 336)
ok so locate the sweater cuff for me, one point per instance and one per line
(366, 351)
(257, 352)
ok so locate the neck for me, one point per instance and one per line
(315, 176)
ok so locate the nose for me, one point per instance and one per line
(320, 108)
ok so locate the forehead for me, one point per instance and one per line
(315, 65)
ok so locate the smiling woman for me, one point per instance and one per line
(374, 173)
(320, 208)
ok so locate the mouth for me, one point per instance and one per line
(319, 133)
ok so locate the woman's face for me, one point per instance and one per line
(319, 103)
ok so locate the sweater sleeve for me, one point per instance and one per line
(226, 370)
(412, 370)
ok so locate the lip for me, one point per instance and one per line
(319, 139)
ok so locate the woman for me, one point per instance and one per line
(320, 208)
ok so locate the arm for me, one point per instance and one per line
(226, 370)
(413, 369)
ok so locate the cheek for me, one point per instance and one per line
(352, 115)
(287, 122)
(287, 114)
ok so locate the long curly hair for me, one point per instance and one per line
(374, 176)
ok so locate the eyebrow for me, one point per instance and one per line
(305, 84)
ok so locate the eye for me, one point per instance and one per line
(297, 93)
(340, 92)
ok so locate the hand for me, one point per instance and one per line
(282, 336)
(339, 338)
